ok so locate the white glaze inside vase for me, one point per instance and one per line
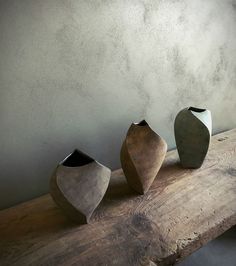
(203, 115)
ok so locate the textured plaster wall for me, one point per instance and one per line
(77, 73)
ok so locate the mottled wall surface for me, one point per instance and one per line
(77, 73)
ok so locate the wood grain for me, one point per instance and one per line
(183, 210)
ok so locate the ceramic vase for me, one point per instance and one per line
(78, 184)
(142, 154)
(193, 127)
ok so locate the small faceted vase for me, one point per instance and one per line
(78, 184)
(193, 127)
(142, 154)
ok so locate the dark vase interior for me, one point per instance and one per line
(142, 123)
(198, 110)
(77, 158)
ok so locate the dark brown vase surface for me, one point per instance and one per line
(142, 154)
(78, 185)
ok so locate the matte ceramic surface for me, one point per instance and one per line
(142, 154)
(78, 185)
(193, 127)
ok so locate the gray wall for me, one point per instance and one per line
(77, 73)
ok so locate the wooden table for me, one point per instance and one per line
(183, 210)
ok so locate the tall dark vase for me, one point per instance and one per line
(78, 185)
(193, 127)
(142, 155)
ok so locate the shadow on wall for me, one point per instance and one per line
(26, 168)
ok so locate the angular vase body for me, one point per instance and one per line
(78, 185)
(142, 154)
(193, 127)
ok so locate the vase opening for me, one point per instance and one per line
(77, 158)
(141, 123)
(198, 110)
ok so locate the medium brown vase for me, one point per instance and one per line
(78, 185)
(142, 154)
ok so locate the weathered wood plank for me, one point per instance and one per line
(183, 210)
